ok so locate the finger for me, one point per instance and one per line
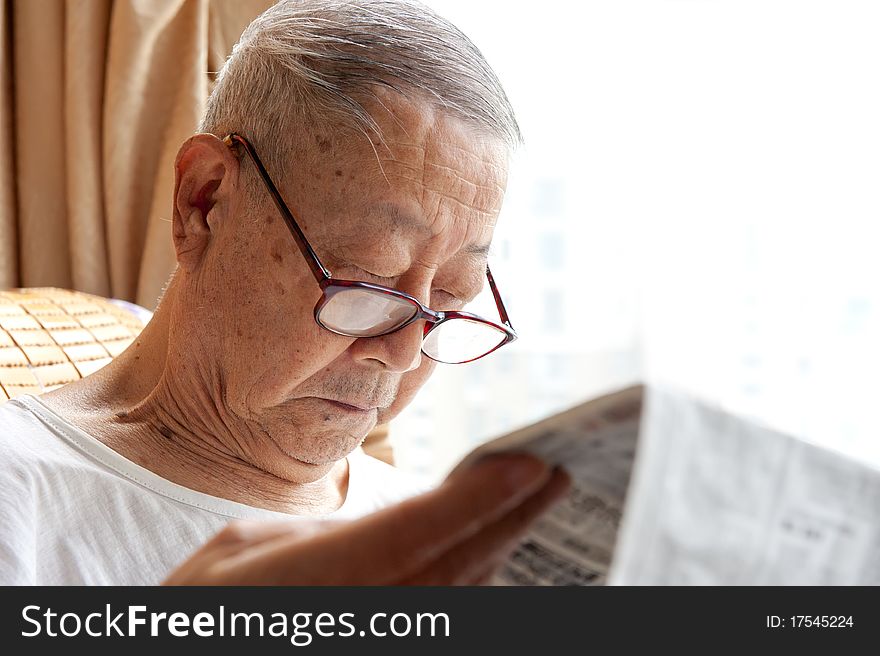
(222, 559)
(477, 560)
(486, 574)
(478, 557)
(401, 540)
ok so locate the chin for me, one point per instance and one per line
(318, 445)
(296, 464)
(305, 438)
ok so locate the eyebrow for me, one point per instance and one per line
(399, 216)
(477, 249)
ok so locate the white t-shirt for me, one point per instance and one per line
(74, 511)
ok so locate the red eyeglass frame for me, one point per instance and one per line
(331, 286)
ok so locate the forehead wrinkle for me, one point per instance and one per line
(455, 172)
(395, 148)
(437, 181)
(485, 197)
(455, 165)
(473, 234)
(500, 169)
(489, 214)
(488, 209)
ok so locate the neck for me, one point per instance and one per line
(166, 413)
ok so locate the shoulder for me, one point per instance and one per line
(24, 437)
(30, 450)
(18, 425)
(36, 457)
(18, 475)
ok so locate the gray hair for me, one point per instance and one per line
(314, 60)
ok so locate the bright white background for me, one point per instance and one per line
(697, 203)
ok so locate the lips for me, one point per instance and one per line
(356, 404)
(351, 407)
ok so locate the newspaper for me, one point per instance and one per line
(718, 500)
(595, 442)
(714, 499)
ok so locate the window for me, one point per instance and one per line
(718, 235)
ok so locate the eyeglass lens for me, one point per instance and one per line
(360, 312)
(461, 340)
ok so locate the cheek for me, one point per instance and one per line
(276, 345)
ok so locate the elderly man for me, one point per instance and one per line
(331, 222)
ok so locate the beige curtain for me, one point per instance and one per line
(97, 95)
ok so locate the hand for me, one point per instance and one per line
(455, 535)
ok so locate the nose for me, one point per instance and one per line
(398, 352)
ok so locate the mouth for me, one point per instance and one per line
(348, 407)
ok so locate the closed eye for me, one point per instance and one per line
(387, 281)
(440, 298)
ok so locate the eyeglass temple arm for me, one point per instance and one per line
(318, 270)
(502, 312)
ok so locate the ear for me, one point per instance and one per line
(205, 179)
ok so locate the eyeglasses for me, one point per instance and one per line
(354, 308)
